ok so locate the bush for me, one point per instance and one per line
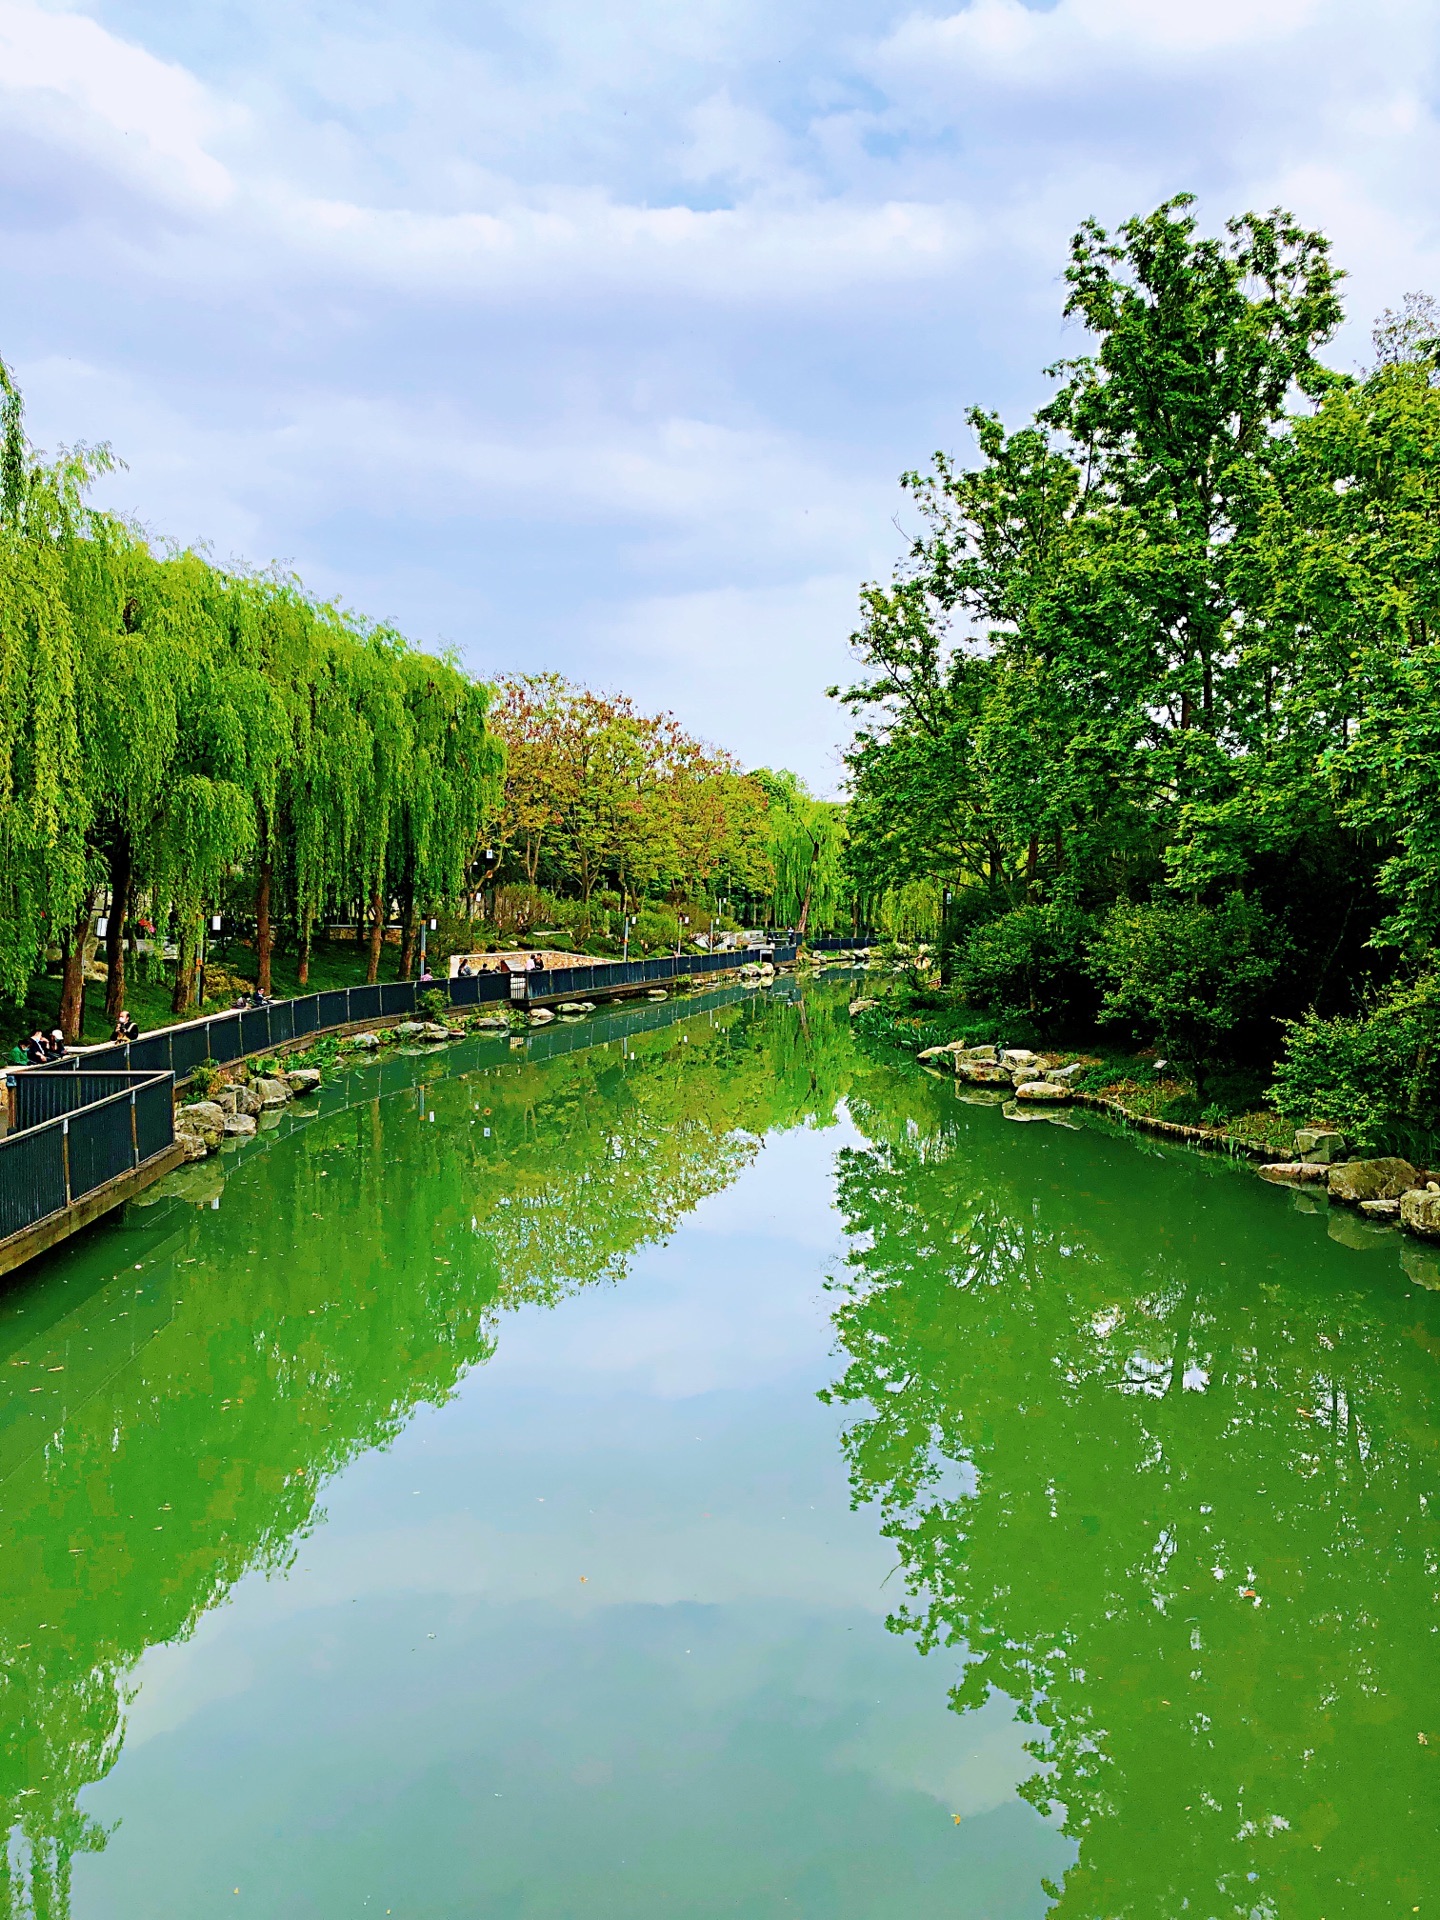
(435, 1003)
(1365, 1073)
(1187, 975)
(1032, 959)
(205, 1078)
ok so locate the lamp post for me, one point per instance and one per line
(683, 921)
(630, 920)
(427, 927)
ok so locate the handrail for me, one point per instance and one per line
(231, 1035)
(49, 1163)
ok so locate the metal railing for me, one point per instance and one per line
(73, 1131)
(224, 1037)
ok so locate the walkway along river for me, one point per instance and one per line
(712, 1471)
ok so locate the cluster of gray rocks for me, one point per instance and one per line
(201, 1125)
(1386, 1189)
(1014, 1067)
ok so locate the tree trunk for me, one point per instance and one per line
(264, 932)
(182, 999)
(122, 867)
(377, 935)
(307, 923)
(72, 979)
(809, 885)
(412, 930)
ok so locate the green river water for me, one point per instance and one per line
(685, 1466)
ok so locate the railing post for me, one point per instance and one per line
(134, 1133)
(65, 1153)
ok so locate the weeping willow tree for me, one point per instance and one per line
(806, 840)
(171, 732)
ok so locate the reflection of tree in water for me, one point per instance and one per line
(1191, 1536)
(350, 1276)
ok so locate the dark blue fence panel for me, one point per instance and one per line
(100, 1145)
(334, 1008)
(106, 1060)
(44, 1096)
(307, 1014)
(397, 996)
(152, 1054)
(224, 1038)
(32, 1178)
(154, 1117)
(188, 1047)
(465, 990)
(282, 1022)
(254, 1029)
(492, 986)
(365, 1003)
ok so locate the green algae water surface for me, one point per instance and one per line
(684, 1466)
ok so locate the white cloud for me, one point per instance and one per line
(601, 339)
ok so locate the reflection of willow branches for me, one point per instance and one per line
(356, 1273)
(1191, 1533)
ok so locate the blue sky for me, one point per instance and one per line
(595, 337)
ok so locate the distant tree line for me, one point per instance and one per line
(179, 739)
(602, 802)
(1154, 698)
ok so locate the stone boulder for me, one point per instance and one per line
(987, 1053)
(540, 1016)
(1022, 1076)
(1017, 1057)
(195, 1145)
(862, 1006)
(432, 1030)
(411, 1030)
(1319, 1143)
(945, 1055)
(491, 1023)
(239, 1126)
(1062, 1074)
(367, 1042)
(1420, 1211)
(1381, 1209)
(1304, 1173)
(657, 993)
(1356, 1180)
(571, 1006)
(303, 1079)
(247, 1100)
(273, 1094)
(983, 1073)
(202, 1114)
(1046, 1090)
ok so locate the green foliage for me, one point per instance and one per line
(1365, 1073)
(205, 1078)
(435, 1003)
(1186, 975)
(1033, 958)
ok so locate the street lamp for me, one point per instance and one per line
(683, 921)
(427, 927)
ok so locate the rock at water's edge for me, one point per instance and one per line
(239, 1125)
(1384, 1179)
(1420, 1213)
(273, 1094)
(303, 1079)
(1309, 1173)
(1319, 1143)
(1038, 1089)
(861, 1006)
(983, 1073)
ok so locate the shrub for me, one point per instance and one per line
(1186, 975)
(205, 1078)
(1032, 959)
(435, 1003)
(1364, 1073)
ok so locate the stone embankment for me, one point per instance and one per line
(234, 1110)
(1384, 1189)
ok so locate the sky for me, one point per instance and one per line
(596, 337)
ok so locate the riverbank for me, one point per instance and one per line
(1134, 1090)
